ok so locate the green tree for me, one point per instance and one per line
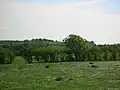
(105, 52)
(47, 53)
(6, 55)
(77, 45)
(94, 53)
(2, 56)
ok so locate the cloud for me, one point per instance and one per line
(32, 20)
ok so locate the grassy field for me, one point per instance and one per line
(73, 76)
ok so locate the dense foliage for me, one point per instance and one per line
(72, 48)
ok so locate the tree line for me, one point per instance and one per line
(72, 48)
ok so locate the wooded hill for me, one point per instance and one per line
(72, 48)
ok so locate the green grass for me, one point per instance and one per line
(36, 77)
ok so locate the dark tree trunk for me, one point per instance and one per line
(77, 56)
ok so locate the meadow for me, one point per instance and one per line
(61, 76)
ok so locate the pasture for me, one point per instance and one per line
(61, 76)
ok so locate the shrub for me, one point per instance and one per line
(94, 66)
(47, 66)
(19, 62)
(58, 78)
(90, 63)
(70, 78)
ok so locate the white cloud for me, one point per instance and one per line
(28, 20)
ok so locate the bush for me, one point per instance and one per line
(19, 62)
(90, 63)
(47, 66)
(70, 78)
(58, 78)
(94, 66)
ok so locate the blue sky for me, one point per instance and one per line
(112, 5)
(97, 20)
(109, 5)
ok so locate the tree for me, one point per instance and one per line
(6, 55)
(2, 56)
(118, 51)
(94, 53)
(47, 53)
(76, 44)
(105, 51)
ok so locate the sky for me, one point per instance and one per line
(94, 20)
